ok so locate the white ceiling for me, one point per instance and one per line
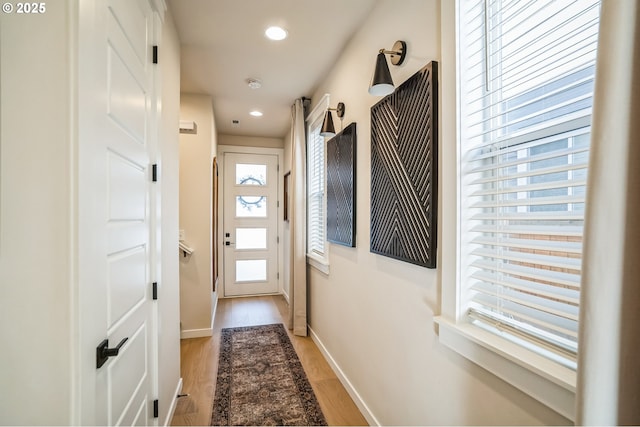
(223, 44)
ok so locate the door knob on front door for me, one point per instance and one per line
(103, 352)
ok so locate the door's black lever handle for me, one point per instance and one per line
(114, 351)
(103, 352)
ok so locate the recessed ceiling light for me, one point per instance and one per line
(276, 33)
(256, 113)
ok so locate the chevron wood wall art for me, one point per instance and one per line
(341, 187)
(404, 170)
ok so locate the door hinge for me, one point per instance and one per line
(155, 54)
(154, 173)
(155, 409)
(155, 290)
(278, 239)
(278, 204)
(278, 276)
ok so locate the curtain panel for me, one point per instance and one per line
(608, 386)
(298, 224)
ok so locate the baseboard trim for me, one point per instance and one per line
(196, 333)
(174, 403)
(214, 307)
(206, 332)
(362, 406)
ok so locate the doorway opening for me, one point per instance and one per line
(250, 212)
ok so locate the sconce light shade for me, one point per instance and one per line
(382, 83)
(327, 125)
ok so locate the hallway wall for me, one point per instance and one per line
(196, 192)
(169, 162)
(373, 314)
(250, 141)
(36, 212)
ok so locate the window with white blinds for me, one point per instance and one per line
(526, 86)
(316, 233)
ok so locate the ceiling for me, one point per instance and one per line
(223, 45)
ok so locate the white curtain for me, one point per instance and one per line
(608, 390)
(298, 223)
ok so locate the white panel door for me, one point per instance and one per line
(115, 119)
(250, 224)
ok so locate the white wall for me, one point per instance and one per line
(250, 141)
(373, 314)
(169, 163)
(35, 218)
(196, 192)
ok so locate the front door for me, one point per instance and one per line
(116, 146)
(250, 224)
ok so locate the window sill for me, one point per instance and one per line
(318, 263)
(549, 383)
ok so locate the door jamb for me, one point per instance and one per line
(279, 152)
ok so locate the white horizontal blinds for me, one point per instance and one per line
(315, 189)
(526, 80)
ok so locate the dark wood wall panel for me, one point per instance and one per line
(341, 187)
(404, 141)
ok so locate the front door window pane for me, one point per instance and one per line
(251, 206)
(254, 270)
(251, 238)
(247, 174)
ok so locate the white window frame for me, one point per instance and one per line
(318, 260)
(548, 382)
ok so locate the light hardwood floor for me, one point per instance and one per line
(199, 364)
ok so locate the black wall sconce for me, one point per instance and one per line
(327, 123)
(382, 83)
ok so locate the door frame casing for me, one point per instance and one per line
(279, 152)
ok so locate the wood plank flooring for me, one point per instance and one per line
(199, 364)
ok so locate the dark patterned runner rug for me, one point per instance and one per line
(261, 381)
